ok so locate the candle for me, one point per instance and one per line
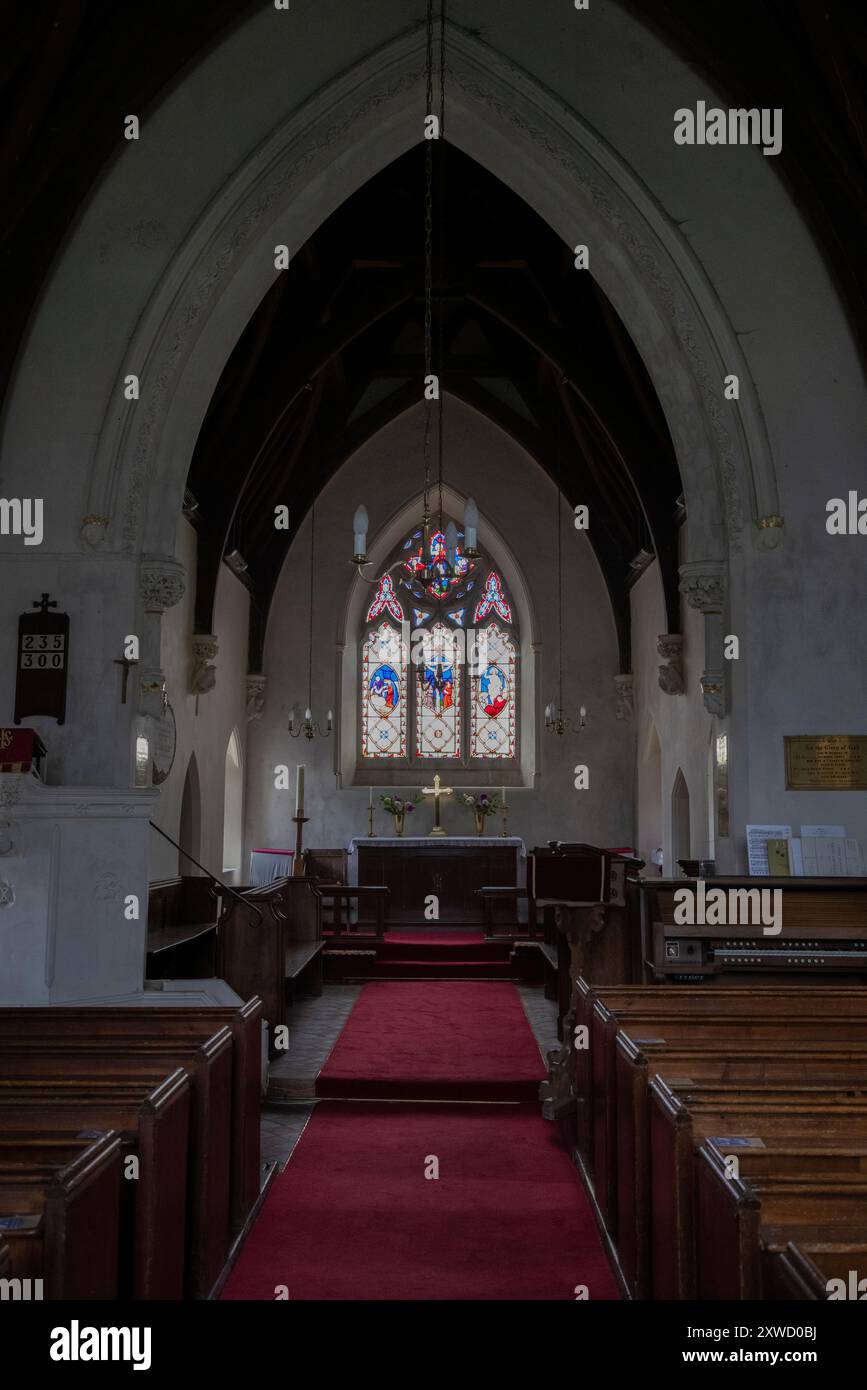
(299, 790)
(370, 798)
(504, 797)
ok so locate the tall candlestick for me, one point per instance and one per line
(370, 797)
(299, 790)
(504, 796)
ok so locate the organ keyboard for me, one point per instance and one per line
(823, 931)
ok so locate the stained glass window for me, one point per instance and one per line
(492, 714)
(493, 600)
(452, 696)
(438, 704)
(385, 601)
(383, 695)
(439, 585)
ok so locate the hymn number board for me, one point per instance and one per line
(43, 662)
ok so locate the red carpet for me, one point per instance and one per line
(435, 1041)
(353, 1216)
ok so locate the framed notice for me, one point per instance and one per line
(826, 762)
(42, 663)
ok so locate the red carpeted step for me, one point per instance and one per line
(433, 969)
(354, 1217)
(435, 1040)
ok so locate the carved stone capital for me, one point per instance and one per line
(161, 583)
(255, 697)
(624, 685)
(669, 645)
(704, 583)
(94, 530)
(204, 676)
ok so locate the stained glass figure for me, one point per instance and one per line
(493, 600)
(383, 695)
(439, 585)
(438, 712)
(385, 601)
(492, 716)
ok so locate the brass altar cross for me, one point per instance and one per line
(436, 791)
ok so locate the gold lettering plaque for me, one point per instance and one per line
(826, 762)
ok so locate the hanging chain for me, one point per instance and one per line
(428, 262)
(559, 714)
(440, 364)
(310, 607)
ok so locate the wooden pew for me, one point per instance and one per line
(736, 1061)
(182, 928)
(60, 1205)
(802, 1269)
(653, 1001)
(209, 1066)
(730, 1212)
(678, 1016)
(680, 1123)
(72, 1022)
(154, 1124)
(276, 952)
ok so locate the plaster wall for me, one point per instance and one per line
(682, 724)
(204, 732)
(517, 502)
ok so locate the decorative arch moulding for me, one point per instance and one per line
(496, 94)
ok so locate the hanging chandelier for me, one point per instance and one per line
(438, 555)
(309, 726)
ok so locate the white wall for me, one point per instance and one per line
(222, 709)
(518, 500)
(682, 723)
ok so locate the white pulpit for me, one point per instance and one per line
(74, 865)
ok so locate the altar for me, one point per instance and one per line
(449, 867)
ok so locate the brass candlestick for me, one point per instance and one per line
(371, 833)
(298, 866)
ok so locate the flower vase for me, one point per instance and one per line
(480, 822)
(398, 823)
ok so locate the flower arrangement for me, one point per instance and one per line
(481, 804)
(398, 805)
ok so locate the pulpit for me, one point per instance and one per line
(594, 894)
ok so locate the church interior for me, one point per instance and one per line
(433, 763)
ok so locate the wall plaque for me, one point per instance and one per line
(826, 762)
(163, 745)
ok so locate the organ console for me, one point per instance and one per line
(823, 933)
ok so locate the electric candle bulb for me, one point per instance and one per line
(471, 521)
(360, 527)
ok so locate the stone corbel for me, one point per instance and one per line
(94, 530)
(204, 675)
(669, 645)
(255, 697)
(769, 533)
(704, 584)
(161, 583)
(624, 686)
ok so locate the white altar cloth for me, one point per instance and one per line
(266, 865)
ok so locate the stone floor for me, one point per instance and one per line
(314, 1027)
